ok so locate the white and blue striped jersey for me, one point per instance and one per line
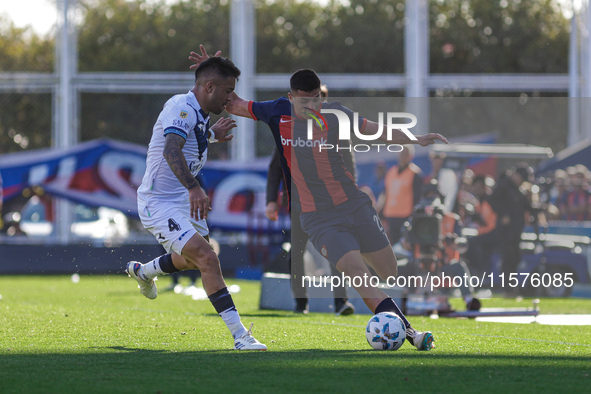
(182, 115)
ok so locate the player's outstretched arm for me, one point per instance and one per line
(176, 160)
(237, 106)
(399, 137)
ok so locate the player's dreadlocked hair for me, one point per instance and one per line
(218, 66)
(305, 80)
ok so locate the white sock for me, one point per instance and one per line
(151, 270)
(232, 320)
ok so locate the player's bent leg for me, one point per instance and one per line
(198, 254)
(351, 264)
(383, 262)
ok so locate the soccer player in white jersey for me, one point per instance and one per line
(171, 203)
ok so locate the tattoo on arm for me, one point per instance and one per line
(173, 153)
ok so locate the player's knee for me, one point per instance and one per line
(352, 268)
(208, 261)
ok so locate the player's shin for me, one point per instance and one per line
(224, 306)
(388, 305)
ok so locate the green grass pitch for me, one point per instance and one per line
(101, 336)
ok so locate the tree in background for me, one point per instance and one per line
(501, 36)
(25, 118)
(365, 37)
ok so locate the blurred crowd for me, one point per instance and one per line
(491, 213)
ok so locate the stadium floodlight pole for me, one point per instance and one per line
(574, 132)
(416, 41)
(64, 136)
(243, 54)
(585, 15)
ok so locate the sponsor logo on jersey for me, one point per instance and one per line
(184, 114)
(180, 123)
(300, 142)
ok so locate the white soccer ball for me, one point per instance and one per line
(385, 331)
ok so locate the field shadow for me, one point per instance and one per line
(136, 369)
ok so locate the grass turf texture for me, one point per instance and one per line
(101, 335)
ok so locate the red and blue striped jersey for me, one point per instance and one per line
(316, 179)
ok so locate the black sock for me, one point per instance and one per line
(388, 305)
(222, 300)
(166, 264)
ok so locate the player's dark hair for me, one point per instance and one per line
(305, 80)
(217, 65)
(479, 178)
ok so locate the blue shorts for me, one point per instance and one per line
(353, 225)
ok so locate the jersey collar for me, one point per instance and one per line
(192, 101)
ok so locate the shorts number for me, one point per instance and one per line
(173, 226)
(379, 224)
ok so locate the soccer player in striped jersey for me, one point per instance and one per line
(338, 217)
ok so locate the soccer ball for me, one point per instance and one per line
(385, 331)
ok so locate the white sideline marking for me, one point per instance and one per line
(557, 320)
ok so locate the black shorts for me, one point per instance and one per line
(353, 225)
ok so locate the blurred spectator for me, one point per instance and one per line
(558, 196)
(375, 186)
(510, 203)
(481, 217)
(465, 195)
(577, 200)
(446, 179)
(402, 191)
(324, 93)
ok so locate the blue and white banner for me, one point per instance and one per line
(108, 173)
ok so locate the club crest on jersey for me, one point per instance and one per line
(324, 251)
(318, 118)
(184, 114)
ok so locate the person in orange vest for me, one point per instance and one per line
(403, 187)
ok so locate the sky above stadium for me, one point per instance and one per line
(42, 14)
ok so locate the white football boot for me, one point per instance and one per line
(248, 342)
(147, 288)
(420, 340)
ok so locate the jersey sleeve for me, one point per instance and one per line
(263, 110)
(178, 120)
